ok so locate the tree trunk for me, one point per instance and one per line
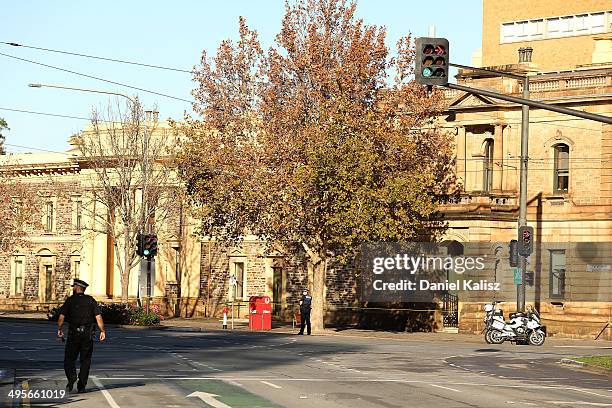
(318, 296)
(124, 289)
(125, 275)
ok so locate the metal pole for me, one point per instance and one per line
(533, 104)
(520, 289)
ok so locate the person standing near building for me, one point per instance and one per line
(305, 307)
(81, 311)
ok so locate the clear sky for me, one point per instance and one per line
(160, 33)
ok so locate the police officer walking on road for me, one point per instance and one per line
(305, 306)
(81, 311)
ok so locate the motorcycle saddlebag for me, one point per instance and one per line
(498, 325)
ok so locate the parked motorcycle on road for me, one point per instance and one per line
(522, 327)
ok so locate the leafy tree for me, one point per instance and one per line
(323, 141)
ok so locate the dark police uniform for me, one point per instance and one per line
(305, 307)
(80, 311)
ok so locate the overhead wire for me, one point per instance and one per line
(97, 78)
(13, 44)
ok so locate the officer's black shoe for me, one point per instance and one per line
(80, 388)
(302, 333)
(69, 386)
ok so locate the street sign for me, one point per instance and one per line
(518, 277)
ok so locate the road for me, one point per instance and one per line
(152, 368)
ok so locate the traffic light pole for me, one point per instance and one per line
(520, 288)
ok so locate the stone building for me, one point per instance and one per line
(566, 49)
(69, 241)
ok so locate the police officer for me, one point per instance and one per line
(305, 306)
(81, 311)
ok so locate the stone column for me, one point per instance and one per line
(461, 156)
(498, 157)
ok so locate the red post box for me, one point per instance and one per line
(260, 313)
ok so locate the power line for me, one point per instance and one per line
(99, 58)
(45, 114)
(39, 149)
(97, 78)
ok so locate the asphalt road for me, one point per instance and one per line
(146, 368)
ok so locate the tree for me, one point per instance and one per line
(19, 209)
(3, 126)
(127, 158)
(314, 143)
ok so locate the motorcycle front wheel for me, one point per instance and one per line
(496, 337)
(486, 336)
(536, 338)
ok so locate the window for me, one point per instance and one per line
(555, 27)
(598, 23)
(582, 24)
(18, 276)
(557, 273)
(240, 274)
(521, 31)
(48, 271)
(49, 217)
(561, 170)
(76, 266)
(507, 32)
(535, 30)
(567, 25)
(487, 179)
(78, 209)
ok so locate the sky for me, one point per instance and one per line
(163, 33)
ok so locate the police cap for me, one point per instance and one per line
(78, 282)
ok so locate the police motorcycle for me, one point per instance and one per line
(491, 311)
(522, 327)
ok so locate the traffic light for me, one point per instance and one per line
(525, 241)
(140, 244)
(150, 245)
(432, 61)
(529, 278)
(513, 253)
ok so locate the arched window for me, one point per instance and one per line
(561, 169)
(487, 179)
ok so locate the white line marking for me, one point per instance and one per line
(593, 347)
(106, 394)
(271, 385)
(446, 388)
(573, 403)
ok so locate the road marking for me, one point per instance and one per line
(209, 399)
(446, 388)
(106, 394)
(592, 404)
(587, 392)
(271, 385)
(591, 347)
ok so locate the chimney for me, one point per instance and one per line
(521, 55)
(528, 52)
(155, 116)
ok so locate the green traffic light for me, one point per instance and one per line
(146, 252)
(427, 72)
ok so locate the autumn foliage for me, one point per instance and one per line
(322, 141)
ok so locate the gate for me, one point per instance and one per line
(450, 310)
